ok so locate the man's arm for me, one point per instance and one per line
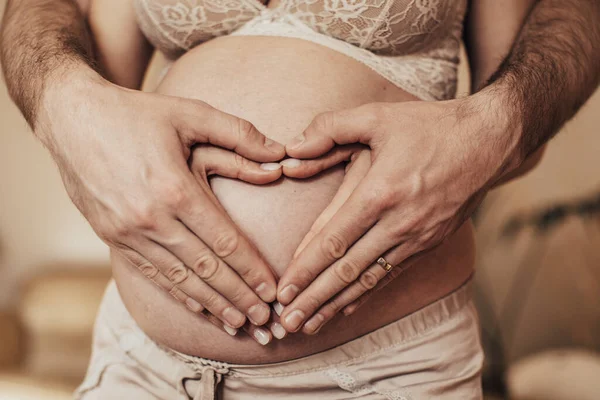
(40, 38)
(551, 70)
(139, 196)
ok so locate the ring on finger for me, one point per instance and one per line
(384, 264)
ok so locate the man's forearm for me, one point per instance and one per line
(40, 38)
(551, 70)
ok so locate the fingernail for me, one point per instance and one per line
(349, 310)
(272, 145)
(233, 317)
(296, 142)
(290, 163)
(267, 293)
(261, 336)
(193, 305)
(278, 307)
(294, 319)
(278, 330)
(230, 330)
(314, 323)
(270, 166)
(288, 293)
(258, 314)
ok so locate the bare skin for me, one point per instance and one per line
(68, 78)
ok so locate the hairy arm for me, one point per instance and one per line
(40, 38)
(123, 154)
(551, 70)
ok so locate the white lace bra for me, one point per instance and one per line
(412, 43)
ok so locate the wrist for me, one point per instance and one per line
(499, 128)
(65, 88)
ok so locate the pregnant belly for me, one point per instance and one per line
(279, 85)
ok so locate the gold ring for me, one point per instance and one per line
(384, 264)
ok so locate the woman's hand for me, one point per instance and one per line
(123, 156)
(427, 172)
(208, 160)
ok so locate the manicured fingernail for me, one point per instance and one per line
(278, 307)
(230, 330)
(290, 163)
(278, 330)
(233, 317)
(261, 336)
(296, 142)
(294, 319)
(314, 323)
(267, 293)
(272, 145)
(259, 314)
(271, 166)
(288, 293)
(193, 305)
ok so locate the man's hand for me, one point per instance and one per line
(123, 156)
(418, 187)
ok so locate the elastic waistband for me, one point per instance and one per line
(400, 332)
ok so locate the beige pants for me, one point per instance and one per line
(433, 353)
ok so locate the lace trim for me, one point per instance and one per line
(347, 382)
(424, 77)
(412, 43)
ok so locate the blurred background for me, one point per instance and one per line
(537, 280)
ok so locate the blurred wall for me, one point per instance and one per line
(40, 226)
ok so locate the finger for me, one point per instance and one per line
(260, 334)
(275, 326)
(214, 228)
(335, 278)
(295, 168)
(398, 269)
(213, 271)
(358, 214)
(356, 171)
(152, 273)
(356, 125)
(209, 160)
(181, 282)
(198, 122)
(365, 282)
(219, 324)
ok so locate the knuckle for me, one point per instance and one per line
(173, 194)
(334, 306)
(226, 244)
(143, 218)
(177, 273)
(237, 297)
(245, 129)
(206, 267)
(240, 162)
(347, 270)
(211, 300)
(334, 246)
(312, 302)
(324, 122)
(148, 270)
(368, 280)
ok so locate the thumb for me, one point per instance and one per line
(210, 160)
(356, 125)
(295, 168)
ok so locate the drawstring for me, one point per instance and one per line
(209, 379)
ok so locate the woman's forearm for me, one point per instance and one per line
(39, 38)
